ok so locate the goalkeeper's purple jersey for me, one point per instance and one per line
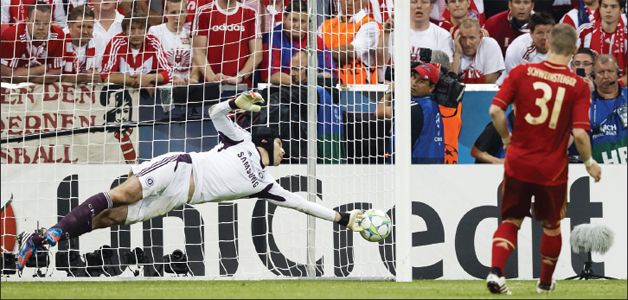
(233, 169)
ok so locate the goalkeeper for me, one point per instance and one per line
(234, 169)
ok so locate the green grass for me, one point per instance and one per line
(305, 289)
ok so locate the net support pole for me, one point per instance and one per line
(403, 146)
(312, 101)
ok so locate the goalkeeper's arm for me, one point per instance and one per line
(281, 197)
(224, 125)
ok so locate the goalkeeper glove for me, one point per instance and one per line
(246, 101)
(355, 216)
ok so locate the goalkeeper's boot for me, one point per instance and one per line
(496, 283)
(543, 288)
(52, 236)
(27, 249)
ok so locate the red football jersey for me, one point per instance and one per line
(499, 28)
(18, 11)
(550, 100)
(77, 59)
(228, 34)
(119, 57)
(19, 51)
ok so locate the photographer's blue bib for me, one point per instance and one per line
(608, 129)
(429, 148)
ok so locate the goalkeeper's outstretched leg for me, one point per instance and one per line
(234, 169)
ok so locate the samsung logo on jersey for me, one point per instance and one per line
(232, 27)
(249, 169)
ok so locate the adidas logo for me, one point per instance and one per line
(231, 27)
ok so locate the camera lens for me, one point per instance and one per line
(177, 255)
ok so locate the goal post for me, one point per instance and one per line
(63, 142)
(403, 141)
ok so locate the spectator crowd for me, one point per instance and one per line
(146, 43)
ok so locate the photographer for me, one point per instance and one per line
(608, 113)
(582, 64)
(427, 131)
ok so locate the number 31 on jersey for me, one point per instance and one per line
(542, 103)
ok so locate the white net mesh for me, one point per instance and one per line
(75, 136)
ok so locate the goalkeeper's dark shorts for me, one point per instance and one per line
(550, 202)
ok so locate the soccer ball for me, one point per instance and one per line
(376, 224)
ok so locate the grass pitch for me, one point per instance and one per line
(289, 289)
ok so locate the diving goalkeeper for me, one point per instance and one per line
(234, 169)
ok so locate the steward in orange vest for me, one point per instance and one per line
(336, 34)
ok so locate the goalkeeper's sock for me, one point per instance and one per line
(38, 240)
(79, 220)
(504, 242)
(550, 250)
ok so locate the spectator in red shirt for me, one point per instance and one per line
(78, 48)
(15, 11)
(505, 27)
(286, 40)
(608, 35)
(475, 11)
(32, 51)
(134, 58)
(227, 42)
(586, 12)
(458, 11)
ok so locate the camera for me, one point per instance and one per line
(425, 55)
(580, 72)
(98, 257)
(70, 262)
(8, 263)
(39, 260)
(176, 263)
(622, 111)
(135, 257)
(449, 90)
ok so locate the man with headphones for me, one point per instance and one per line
(608, 113)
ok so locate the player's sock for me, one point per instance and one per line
(38, 240)
(504, 242)
(550, 250)
(79, 220)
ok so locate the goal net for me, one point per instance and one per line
(327, 97)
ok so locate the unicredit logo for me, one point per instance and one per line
(231, 27)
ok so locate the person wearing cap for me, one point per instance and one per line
(428, 146)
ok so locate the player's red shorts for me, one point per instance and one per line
(550, 202)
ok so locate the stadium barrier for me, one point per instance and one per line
(454, 215)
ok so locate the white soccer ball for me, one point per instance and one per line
(376, 224)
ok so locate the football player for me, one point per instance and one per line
(234, 169)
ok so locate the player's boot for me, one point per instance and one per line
(496, 283)
(543, 288)
(27, 249)
(52, 236)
